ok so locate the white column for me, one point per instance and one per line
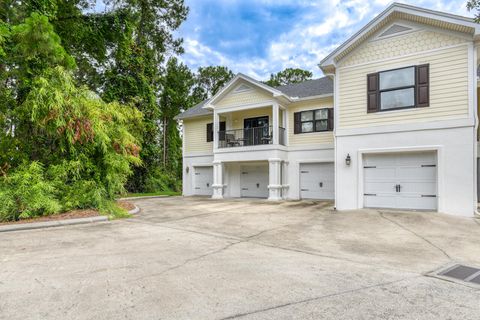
(216, 127)
(275, 109)
(274, 176)
(217, 180)
(285, 185)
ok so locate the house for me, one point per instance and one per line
(393, 124)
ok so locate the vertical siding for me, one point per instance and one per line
(311, 138)
(448, 78)
(196, 135)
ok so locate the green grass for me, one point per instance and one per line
(149, 194)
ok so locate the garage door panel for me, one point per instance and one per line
(254, 181)
(317, 181)
(379, 173)
(203, 181)
(401, 180)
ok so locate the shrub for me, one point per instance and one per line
(26, 194)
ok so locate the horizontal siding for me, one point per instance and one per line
(243, 98)
(312, 138)
(448, 90)
(196, 135)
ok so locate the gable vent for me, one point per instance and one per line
(242, 87)
(394, 29)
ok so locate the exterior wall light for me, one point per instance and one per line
(187, 169)
(348, 160)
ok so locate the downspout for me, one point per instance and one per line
(475, 140)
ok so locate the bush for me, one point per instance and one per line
(162, 181)
(26, 194)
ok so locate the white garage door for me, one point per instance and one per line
(317, 181)
(203, 181)
(401, 180)
(254, 181)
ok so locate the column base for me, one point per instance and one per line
(274, 193)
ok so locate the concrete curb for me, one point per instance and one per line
(145, 197)
(50, 224)
(134, 210)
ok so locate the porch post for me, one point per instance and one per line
(217, 180)
(275, 110)
(216, 127)
(274, 177)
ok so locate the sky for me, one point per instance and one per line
(260, 37)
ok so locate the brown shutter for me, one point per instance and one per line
(221, 134)
(330, 119)
(423, 84)
(209, 132)
(372, 93)
(297, 122)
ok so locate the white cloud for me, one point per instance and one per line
(308, 40)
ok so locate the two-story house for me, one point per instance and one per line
(393, 124)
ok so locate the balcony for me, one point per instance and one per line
(249, 137)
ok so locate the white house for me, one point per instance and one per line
(393, 124)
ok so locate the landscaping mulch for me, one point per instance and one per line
(126, 205)
(74, 214)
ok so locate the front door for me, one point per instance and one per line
(256, 131)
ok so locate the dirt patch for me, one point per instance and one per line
(74, 214)
(126, 205)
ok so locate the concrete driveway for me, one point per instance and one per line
(193, 258)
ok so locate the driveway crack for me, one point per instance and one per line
(415, 234)
(240, 315)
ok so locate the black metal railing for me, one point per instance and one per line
(249, 137)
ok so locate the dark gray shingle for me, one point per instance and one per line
(195, 111)
(309, 88)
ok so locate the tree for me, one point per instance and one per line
(474, 5)
(209, 80)
(288, 76)
(63, 147)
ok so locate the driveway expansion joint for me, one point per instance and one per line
(416, 234)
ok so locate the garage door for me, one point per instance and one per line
(317, 181)
(203, 181)
(254, 181)
(401, 180)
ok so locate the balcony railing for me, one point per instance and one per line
(249, 137)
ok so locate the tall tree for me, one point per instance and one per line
(209, 80)
(474, 5)
(288, 76)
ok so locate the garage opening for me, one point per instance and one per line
(406, 180)
(203, 181)
(254, 181)
(317, 181)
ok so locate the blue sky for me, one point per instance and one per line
(259, 37)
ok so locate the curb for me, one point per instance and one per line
(50, 224)
(134, 210)
(144, 197)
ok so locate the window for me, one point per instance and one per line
(210, 131)
(398, 89)
(313, 121)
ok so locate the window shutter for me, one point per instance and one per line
(423, 84)
(330, 119)
(297, 122)
(209, 132)
(372, 92)
(221, 134)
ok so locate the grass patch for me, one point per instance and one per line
(150, 194)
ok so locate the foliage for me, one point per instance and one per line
(26, 193)
(209, 80)
(64, 147)
(474, 5)
(288, 76)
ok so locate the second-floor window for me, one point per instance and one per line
(318, 120)
(398, 89)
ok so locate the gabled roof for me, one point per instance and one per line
(404, 12)
(310, 88)
(197, 110)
